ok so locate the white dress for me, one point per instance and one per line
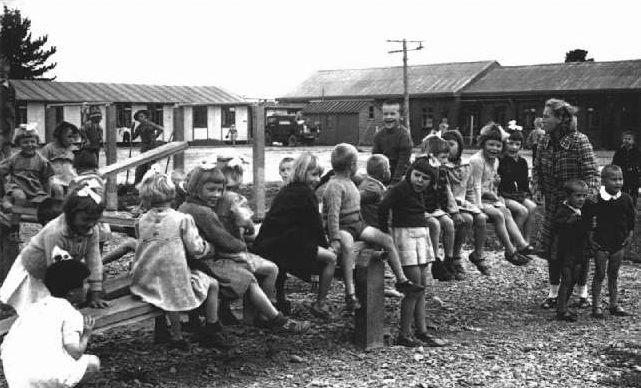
(33, 354)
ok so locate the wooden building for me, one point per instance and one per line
(470, 94)
(344, 121)
(209, 111)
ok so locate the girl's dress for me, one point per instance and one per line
(293, 231)
(460, 177)
(33, 354)
(234, 278)
(24, 284)
(61, 159)
(160, 274)
(485, 178)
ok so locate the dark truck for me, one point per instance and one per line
(289, 131)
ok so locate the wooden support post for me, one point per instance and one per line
(50, 124)
(369, 319)
(179, 135)
(9, 249)
(259, 158)
(111, 150)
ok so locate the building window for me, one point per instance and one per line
(370, 112)
(427, 118)
(123, 115)
(59, 114)
(529, 114)
(156, 113)
(500, 115)
(228, 116)
(200, 116)
(593, 119)
(21, 113)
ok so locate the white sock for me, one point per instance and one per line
(554, 291)
(582, 291)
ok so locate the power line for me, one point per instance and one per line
(406, 95)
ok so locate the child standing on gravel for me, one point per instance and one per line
(160, 274)
(615, 217)
(571, 232)
(409, 230)
(342, 210)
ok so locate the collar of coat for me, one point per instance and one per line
(565, 142)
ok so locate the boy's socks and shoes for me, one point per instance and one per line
(549, 303)
(480, 263)
(407, 287)
(430, 340)
(582, 303)
(517, 259)
(407, 342)
(352, 303)
(618, 311)
(597, 312)
(440, 272)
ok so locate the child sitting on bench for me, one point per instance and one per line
(60, 152)
(342, 210)
(74, 233)
(27, 176)
(46, 344)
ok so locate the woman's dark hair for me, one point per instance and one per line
(62, 127)
(85, 160)
(75, 204)
(66, 275)
(516, 136)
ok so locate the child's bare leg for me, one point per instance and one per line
(461, 233)
(348, 257)
(93, 368)
(600, 266)
(530, 222)
(513, 229)
(409, 302)
(176, 325)
(434, 227)
(266, 273)
(499, 226)
(416, 275)
(262, 303)
(328, 258)
(375, 236)
(480, 233)
(211, 304)
(518, 211)
(447, 226)
(614, 264)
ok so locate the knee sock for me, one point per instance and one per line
(582, 291)
(554, 291)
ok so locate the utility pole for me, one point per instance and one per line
(406, 94)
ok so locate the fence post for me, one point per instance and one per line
(111, 151)
(179, 135)
(258, 156)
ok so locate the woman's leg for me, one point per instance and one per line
(498, 218)
(530, 222)
(328, 258)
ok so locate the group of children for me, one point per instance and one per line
(194, 254)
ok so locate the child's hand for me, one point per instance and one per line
(88, 323)
(96, 302)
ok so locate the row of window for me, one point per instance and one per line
(124, 115)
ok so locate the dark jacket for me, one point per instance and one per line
(396, 144)
(372, 191)
(571, 232)
(630, 162)
(614, 220)
(406, 204)
(292, 231)
(514, 178)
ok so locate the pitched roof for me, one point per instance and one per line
(434, 79)
(576, 76)
(336, 106)
(53, 91)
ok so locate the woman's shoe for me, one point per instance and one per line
(618, 311)
(549, 303)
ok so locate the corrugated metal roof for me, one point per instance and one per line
(336, 106)
(443, 78)
(577, 76)
(52, 91)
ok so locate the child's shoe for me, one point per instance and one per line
(566, 316)
(582, 303)
(352, 303)
(211, 336)
(618, 311)
(407, 342)
(440, 272)
(430, 340)
(407, 287)
(516, 259)
(284, 306)
(480, 263)
(280, 323)
(597, 312)
(456, 268)
(549, 303)
(226, 316)
(320, 311)
(180, 344)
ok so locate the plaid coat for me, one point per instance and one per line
(571, 158)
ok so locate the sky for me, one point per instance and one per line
(263, 49)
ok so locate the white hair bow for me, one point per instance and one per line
(207, 165)
(59, 254)
(88, 192)
(511, 125)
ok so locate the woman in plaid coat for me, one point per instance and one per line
(563, 153)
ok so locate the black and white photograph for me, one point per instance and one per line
(338, 194)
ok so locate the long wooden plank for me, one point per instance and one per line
(163, 151)
(116, 287)
(130, 321)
